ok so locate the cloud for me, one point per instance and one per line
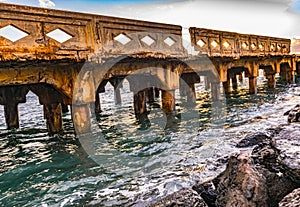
(46, 3)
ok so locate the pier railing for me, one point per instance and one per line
(216, 43)
(29, 33)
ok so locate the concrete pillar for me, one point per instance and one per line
(10, 97)
(215, 91)
(53, 116)
(234, 82)
(117, 84)
(226, 86)
(271, 80)
(290, 76)
(65, 108)
(118, 100)
(207, 83)
(97, 104)
(168, 101)
(139, 100)
(191, 95)
(283, 72)
(252, 85)
(150, 94)
(82, 118)
(183, 88)
(11, 115)
(298, 69)
(156, 92)
(241, 77)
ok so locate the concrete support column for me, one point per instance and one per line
(11, 115)
(118, 100)
(168, 101)
(191, 95)
(252, 85)
(156, 92)
(183, 88)
(150, 94)
(117, 84)
(226, 86)
(234, 82)
(271, 80)
(64, 108)
(240, 77)
(207, 83)
(283, 72)
(215, 91)
(97, 104)
(290, 76)
(53, 116)
(139, 100)
(298, 70)
(10, 97)
(82, 118)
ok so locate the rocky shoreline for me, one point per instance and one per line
(269, 176)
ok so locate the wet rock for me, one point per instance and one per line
(266, 154)
(253, 139)
(291, 200)
(267, 158)
(182, 198)
(293, 114)
(263, 179)
(208, 192)
(241, 184)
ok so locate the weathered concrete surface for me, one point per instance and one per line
(89, 34)
(253, 139)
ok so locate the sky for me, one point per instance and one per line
(279, 18)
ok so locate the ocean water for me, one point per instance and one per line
(127, 163)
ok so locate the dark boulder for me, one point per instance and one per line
(241, 184)
(253, 139)
(267, 161)
(288, 142)
(293, 114)
(208, 192)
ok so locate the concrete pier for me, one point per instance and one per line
(139, 102)
(168, 101)
(53, 116)
(73, 71)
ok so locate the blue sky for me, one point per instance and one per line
(263, 17)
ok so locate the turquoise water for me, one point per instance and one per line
(124, 163)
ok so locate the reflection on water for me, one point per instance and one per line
(123, 162)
